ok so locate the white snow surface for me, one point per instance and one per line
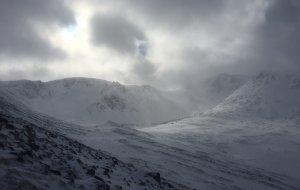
(94, 101)
(37, 158)
(37, 153)
(247, 142)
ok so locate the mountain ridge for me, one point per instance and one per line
(84, 100)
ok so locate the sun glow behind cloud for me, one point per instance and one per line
(84, 59)
(164, 43)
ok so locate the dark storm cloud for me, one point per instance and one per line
(278, 40)
(116, 32)
(18, 38)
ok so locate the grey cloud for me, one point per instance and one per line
(176, 13)
(274, 47)
(250, 45)
(36, 72)
(198, 65)
(144, 70)
(278, 41)
(18, 38)
(116, 32)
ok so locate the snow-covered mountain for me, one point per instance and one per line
(41, 152)
(268, 96)
(204, 152)
(94, 101)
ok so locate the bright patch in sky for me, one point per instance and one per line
(71, 28)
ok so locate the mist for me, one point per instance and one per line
(171, 46)
(150, 94)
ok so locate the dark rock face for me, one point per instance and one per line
(155, 176)
(91, 172)
(35, 158)
(114, 102)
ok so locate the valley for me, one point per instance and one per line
(232, 146)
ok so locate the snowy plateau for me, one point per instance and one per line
(81, 133)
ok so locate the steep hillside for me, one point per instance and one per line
(94, 101)
(268, 96)
(35, 154)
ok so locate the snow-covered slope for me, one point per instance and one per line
(34, 154)
(256, 129)
(231, 153)
(257, 126)
(94, 101)
(205, 152)
(267, 96)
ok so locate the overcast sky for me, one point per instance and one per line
(165, 43)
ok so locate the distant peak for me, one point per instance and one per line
(78, 79)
